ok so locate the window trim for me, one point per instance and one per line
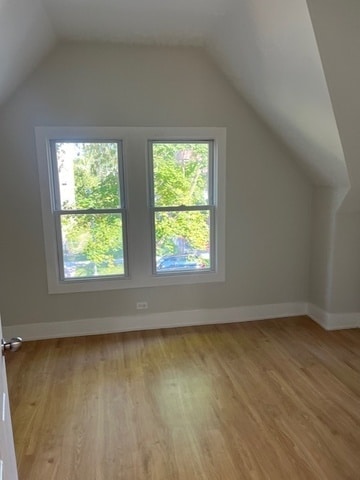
(132, 138)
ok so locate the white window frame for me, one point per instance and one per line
(58, 212)
(135, 145)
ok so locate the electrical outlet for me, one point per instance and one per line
(141, 305)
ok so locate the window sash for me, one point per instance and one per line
(212, 237)
(211, 168)
(55, 183)
(59, 242)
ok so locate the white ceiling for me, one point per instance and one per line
(267, 48)
(147, 21)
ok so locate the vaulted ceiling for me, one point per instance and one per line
(266, 47)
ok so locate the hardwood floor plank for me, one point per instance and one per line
(277, 399)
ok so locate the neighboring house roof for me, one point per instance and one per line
(266, 47)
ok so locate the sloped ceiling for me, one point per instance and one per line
(26, 35)
(266, 47)
(137, 21)
(337, 29)
(272, 56)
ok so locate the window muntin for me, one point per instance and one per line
(182, 206)
(89, 209)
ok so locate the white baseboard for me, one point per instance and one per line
(94, 326)
(333, 321)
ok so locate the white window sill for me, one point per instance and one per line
(94, 285)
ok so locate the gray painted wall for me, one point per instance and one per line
(268, 220)
(345, 294)
(326, 204)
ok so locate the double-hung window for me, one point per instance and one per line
(182, 205)
(132, 207)
(88, 207)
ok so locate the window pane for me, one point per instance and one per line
(88, 175)
(92, 245)
(182, 241)
(181, 173)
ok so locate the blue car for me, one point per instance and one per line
(180, 262)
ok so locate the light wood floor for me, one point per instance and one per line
(274, 400)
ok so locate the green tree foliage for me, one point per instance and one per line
(95, 237)
(180, 179)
